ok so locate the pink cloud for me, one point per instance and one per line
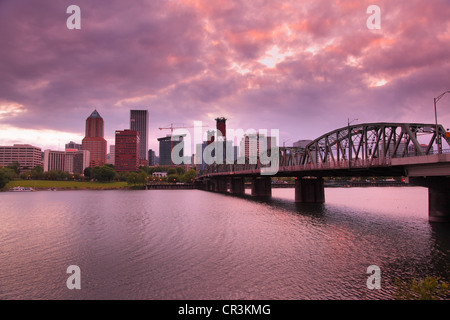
(185, 59)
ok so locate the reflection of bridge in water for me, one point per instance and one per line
(412, 150)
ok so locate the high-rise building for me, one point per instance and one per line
(81, 160)
(151, 158)
(94, 140)
(139, 123)
(166, 146)
(26, 155)
(67, 161)
(127, 151)
(221, 127)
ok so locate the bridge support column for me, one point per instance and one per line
(202, 185)
(220, 185)
(237, 186)
(262, 187)
(309, 190)
(438, 196)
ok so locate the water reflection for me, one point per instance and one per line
(191, 244)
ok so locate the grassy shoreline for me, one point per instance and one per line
(66, 185)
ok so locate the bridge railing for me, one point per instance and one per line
(256, 168)
(433, 152)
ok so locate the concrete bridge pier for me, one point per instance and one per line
(309, 190)
(237, 186)
(262, 187)
(220, 185)
(438, 196)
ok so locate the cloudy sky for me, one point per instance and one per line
(303, 67)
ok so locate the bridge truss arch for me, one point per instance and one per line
(371, 143)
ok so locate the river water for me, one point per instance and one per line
(192, 244)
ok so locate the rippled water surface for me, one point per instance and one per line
(191, 244)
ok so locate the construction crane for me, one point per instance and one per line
(172, 127)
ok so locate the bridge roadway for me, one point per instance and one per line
(373, 150)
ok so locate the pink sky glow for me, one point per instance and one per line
(303, 67)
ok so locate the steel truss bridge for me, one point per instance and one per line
(418, 151)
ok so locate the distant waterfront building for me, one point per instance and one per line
(67, 161)
(110, 157)
(166, 146)
(73, 146)
(301, 144)
(159, 174)
(236, 153)
(81, 160)
(54, 160)
(127, 151)
(139, 123)
(94, 140)
(151, 158)
(199, 155)
(252, 145)
(26, 155)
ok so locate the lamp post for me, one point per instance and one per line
(438, 138)
(350, 142)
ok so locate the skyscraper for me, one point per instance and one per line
(94, 141)
(139, 123)
(166, 146)
(151, 158)
(127, 150)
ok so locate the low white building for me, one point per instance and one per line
(68, 161)
(159, 174)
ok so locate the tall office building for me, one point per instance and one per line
(139, 123)
(166, 146)
(127, 151)
(94, 140)
(151, 158)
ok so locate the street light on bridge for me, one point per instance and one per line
(350, 142)
(438, 138)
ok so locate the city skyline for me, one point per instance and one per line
(304, 67)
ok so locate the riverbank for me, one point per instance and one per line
(66, 185)
(94, 185)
